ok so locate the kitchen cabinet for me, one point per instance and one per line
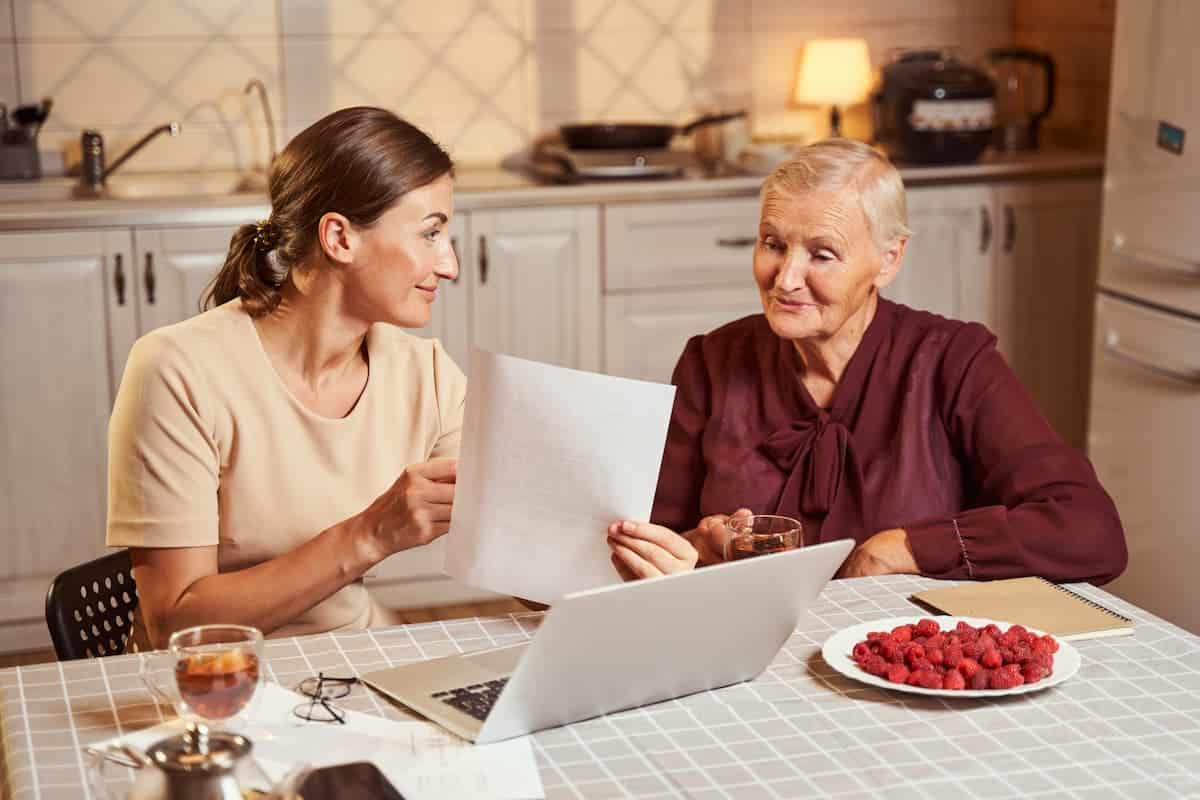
(173, 267)
(67, 316)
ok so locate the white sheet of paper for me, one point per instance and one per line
(419, 758)
(550, 457)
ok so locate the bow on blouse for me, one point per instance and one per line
(817, 455)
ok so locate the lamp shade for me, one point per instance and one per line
(833, 72)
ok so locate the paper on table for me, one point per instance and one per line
(550, 456)
(419, 758)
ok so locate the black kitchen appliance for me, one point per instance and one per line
(633, 136)
(933, 107)
(1024, 95)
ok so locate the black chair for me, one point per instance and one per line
(89, 608)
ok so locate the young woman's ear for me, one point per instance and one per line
(337, 238)
(893, 259)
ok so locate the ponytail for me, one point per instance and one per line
(247, 272)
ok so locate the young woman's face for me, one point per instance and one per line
(403, 256)
(815, 262)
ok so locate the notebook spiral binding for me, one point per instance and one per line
(1088, 601)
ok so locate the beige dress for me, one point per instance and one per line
(208, 447)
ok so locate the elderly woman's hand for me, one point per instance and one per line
(885, 553)
(644, 550)
(710, 535)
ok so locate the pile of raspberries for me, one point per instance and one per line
(963, 658)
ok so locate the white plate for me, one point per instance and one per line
(838, 648)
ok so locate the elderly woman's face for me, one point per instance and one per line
(815, 263)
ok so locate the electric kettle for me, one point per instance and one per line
(1024, 81)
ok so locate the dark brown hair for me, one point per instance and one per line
(357, 162)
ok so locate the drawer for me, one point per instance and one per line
(673, 245)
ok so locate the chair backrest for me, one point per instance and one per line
(89, 608)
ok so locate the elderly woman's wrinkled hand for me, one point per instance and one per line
(644, 550)
(885, 553)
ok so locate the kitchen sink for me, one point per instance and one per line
(134, 187)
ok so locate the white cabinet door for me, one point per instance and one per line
(535, 284)
(947, 265)
(1047, 240)
(67, 306)
(451, 321)
(174, 266)
(645, 332)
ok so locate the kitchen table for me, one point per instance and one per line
(1127, 725)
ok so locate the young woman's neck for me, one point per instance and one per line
(311, 331)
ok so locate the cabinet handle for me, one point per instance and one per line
(148, 280)
(985, 229)
(483, 260)
(1010, 229)
(457, 260)
(737, 241)
(119, 279)
(1112, 350)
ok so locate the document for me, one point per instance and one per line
(550, 456)
(420, 759)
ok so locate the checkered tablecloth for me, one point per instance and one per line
(1128, 725)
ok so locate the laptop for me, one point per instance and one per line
(622, 646)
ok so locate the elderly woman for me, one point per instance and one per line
(863, 418)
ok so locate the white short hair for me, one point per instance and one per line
(834, 164)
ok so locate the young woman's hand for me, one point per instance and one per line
(643, 550)
(415, 510)
(709, 536)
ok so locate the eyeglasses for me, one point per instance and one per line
(320, 691)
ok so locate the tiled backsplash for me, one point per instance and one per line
(483, 76)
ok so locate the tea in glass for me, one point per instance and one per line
(217, 685)
(760, 534)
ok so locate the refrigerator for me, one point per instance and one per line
(1144, 420)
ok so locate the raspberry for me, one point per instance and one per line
(861, 652)
(1034, 673)
(902, 633)
(953, 656)
(981, 679)
(919, 664)
(874, 636)
(935, 656)
(991, 659)
(875, 665)
(926, 679)
(890, 651)
(1006, 655)
(1022, 652)
(1008, 639)
(954, 680)
(1018, 630)
(897, 673)
(927, 627)
(914, 653)
(1003, 679)
(972, 650)
(987, 641)
(991, 629)
(966, 632)
(969, 667)
(1051, 642)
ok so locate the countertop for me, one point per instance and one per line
(213, 198)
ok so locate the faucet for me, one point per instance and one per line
(257, 85)
(93, 173)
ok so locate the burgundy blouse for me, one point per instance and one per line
(928, 430)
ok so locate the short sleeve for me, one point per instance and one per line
(163, 462)
(451, 386)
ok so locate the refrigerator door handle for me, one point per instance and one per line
(1113, 350)
(1151, 259)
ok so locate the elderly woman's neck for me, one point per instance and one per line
(825, 357)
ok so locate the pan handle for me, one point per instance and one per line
(709, 119)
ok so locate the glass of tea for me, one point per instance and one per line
(760, 534)
(208, 673)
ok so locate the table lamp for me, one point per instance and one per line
(833, 72)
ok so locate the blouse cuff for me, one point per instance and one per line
(946, 548)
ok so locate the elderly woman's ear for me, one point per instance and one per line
(891, 260)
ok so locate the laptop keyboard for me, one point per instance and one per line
(476, 700)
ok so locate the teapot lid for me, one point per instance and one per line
(197, 751)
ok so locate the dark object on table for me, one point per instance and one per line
(360, 780)
(634, 136)
(932, 107)
(89, 608)
(1015, 73)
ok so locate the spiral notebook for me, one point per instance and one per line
(1034, 602)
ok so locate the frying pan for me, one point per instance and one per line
(633, 136)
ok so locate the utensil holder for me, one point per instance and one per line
(20, 161)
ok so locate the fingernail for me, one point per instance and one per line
(628, 526)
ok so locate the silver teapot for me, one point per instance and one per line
(195, 765)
